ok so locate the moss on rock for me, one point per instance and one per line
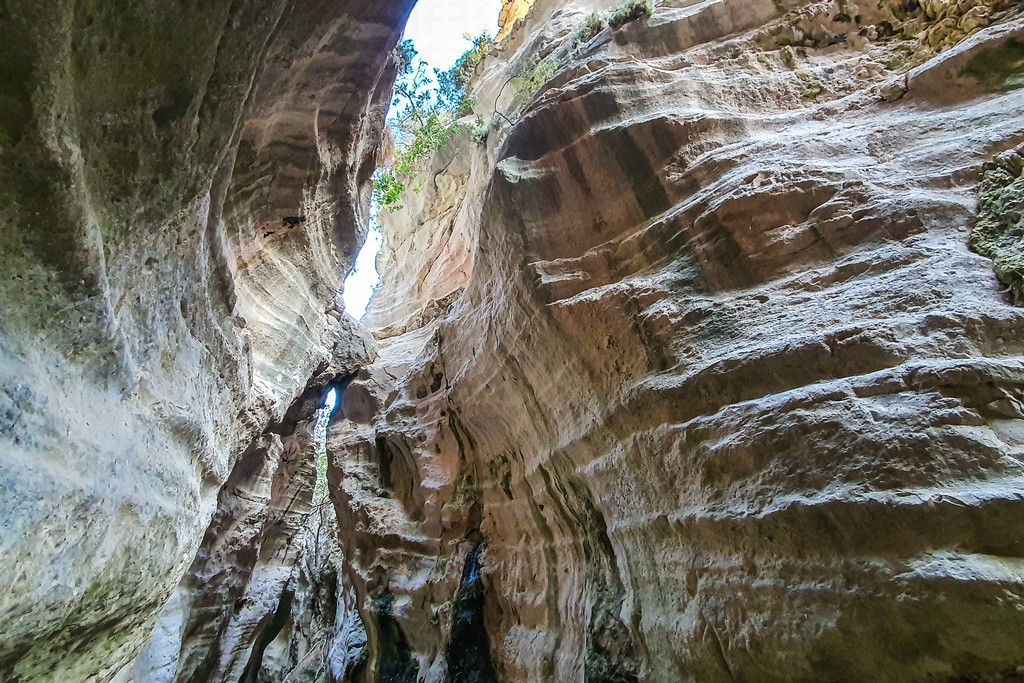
(999, 232)
(16, 85)
(999, 68)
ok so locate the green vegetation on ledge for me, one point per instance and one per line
(533, 74)
(593, 25)
(424, 115)
(631, 11)
(426, 110)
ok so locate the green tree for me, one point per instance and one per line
(424, 113)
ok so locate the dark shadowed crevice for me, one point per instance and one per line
(384, 463)
(266, 636)
(394, 662)
(469, 649)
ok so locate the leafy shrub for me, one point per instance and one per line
(594, 24)
(480, 130)
(426, 135)
(533, 75)
(452, 83)
(465, 66)
(388, 190)
(631, 11)
(424, 114)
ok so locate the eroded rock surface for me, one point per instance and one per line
(727, 395)
(184, 186)
(687, 372)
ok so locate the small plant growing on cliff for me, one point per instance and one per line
(480, 130)
(631, 11)
(533, 75)
(594, 24)
(453, 82)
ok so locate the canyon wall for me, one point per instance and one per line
(700, 360)
(718, 389)
(184, 186)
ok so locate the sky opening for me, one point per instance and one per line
(437, 27)
(331, 399)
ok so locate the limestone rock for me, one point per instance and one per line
(183, 187)
(323, 639)
(727, 395)
(687, 372)
(428, 253)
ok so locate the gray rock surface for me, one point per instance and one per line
(184, 186)
(705, 366)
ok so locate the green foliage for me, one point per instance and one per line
(424, 114)
(594, 24)
(533, 75)
(320, 490)
(536, 72)
(466, 104)
(430, 134)
(405, 54)
(631, 11)
(480, 130)
(388, 190)
(426, 134)
(452, 83)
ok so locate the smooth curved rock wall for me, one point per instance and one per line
(183, 187)
(430, 240)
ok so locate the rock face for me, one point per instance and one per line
(183, 187)
(324, 639)
(511, 12)
(428, 257)
(999, 232)
(706, 365)
(726, 395)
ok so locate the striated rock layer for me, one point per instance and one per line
(183, 187)
(727, 395)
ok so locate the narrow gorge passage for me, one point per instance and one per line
(697, 352)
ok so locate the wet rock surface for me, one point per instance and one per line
(469, 648)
